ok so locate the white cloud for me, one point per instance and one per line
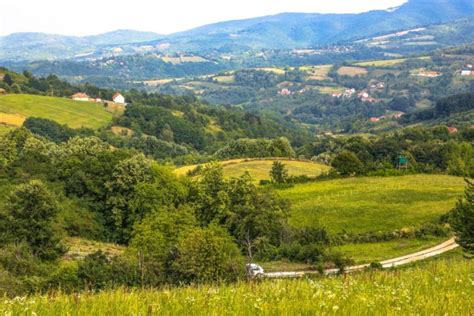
(86, 17)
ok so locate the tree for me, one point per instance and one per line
(256, 216)
(167, 134)
(347, 163)
(8, 79)
(155, 239)
(462, 219)
(207, 255)
(122, 190)
(31, 209)
(210, 195)
(279, 173)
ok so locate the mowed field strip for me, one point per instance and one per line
(361, 205)
(260, 169)
(62, 110)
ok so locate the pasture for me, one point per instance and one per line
(64, 111)
(259, 169)
(362, 205)
(438, 287)
(352, 71)
(317, 72)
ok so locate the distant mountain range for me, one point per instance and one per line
(282, 31)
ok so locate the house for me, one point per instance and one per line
(80, 97)
(284, 92)
(467, 72)
(348, 93)
(3, 91)
(452, 130)
(118, 98)
(374, 119)
(363, 94)
(398, 115)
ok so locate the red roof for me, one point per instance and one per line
(116, 95)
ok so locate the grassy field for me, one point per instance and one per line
(370, 252)
(260, 169)
(351, 71)
(64, 111)
(317, 72)
(441, 287)
(360, 205)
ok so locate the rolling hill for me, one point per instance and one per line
(15, 108)
(362, 205)
(259, 169)
(292, 30)
(299, 30)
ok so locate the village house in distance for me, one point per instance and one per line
(117, 98)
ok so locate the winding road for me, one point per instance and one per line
(395, 262)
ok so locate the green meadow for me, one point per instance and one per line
(370, 204)
(259, 169)
(437, 287)
(62, 110)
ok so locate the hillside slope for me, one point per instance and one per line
(307, 30)
(15, 108)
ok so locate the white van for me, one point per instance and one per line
(254, 270)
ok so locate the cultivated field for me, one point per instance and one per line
(260, 169)
(351, 71)
(438, 287)
(317, 72)
(361, 205)
(64, 111)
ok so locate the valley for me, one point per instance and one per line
(198, 172)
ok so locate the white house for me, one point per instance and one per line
(466, 72)
(118, 98)
(80, 97)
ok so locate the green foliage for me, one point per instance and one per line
(52, 130)
(347, 164)
(207, 254)
(95, 271)
(278, 174)
(30, 211)
(462, 219)
(256, 148)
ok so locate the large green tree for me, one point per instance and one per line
(30, 211)
(207, 255)
(347, 163)
(462, 219)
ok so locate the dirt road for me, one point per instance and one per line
(395, 262)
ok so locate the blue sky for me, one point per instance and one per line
(86, 17)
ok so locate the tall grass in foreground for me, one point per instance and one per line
(444, 287)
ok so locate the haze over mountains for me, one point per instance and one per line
(282, 31)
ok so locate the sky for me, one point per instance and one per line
(87, 17)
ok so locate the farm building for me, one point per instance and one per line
(118, 98)
(80, 97)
